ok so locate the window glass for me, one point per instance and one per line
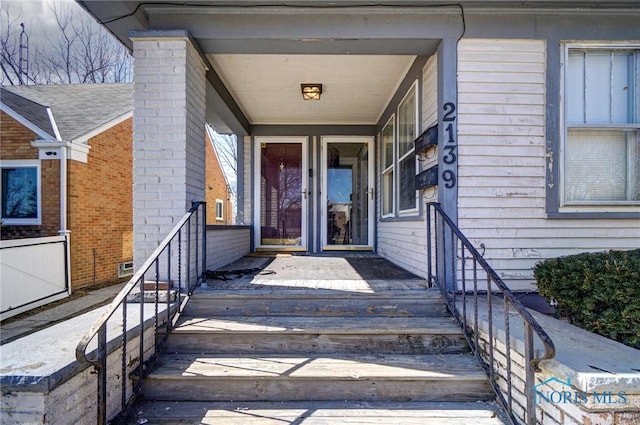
(219, 209)
(20, 193)
(601, 149)
(387, 193)
(387, 143)
(407, 131)
(388, 138)
(407, 122)
(597, 174)
(600, 86)
(408, 183)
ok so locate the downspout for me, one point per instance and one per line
(63, 191)
(64, 231)
(63, 175)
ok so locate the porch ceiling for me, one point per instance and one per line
(260, 54)
(359, 50)
(356, 88)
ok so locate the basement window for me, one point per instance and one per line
(125, 269)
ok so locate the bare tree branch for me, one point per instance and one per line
(76, 50)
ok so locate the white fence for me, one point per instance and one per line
(33, 272)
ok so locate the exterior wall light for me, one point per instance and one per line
(311, 91)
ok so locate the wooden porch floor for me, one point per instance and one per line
(346, 272)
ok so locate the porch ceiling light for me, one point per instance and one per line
(311, 91)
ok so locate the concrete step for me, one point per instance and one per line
(317, 413)
(390, 377)
(317, 335)
(300, 302)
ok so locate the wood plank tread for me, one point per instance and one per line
(316, 285)
(312, 292)
(315, 325)
(451, 367)
(316, 413)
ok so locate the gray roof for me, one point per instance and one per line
(77, 109)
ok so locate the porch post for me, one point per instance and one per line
(168, 142)
(447, 156)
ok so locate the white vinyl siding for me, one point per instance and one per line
(501, 174)
(429, 119)
(405, 242)
(236, 242)
(430, 93)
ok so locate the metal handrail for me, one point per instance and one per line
(470, 326)
(163, 321)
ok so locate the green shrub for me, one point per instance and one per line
(599, 292)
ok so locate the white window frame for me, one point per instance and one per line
(219, 203)
(584, 206)
(411, 152)
(25, 164)
(389, 171)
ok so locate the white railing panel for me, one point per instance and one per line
(33, 272)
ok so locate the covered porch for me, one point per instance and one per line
(308, 170)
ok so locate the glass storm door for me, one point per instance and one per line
(347, 193)
(281, 198)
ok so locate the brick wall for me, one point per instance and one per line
(169, 119)
(216, 187)
(16, 144)
(550, 413)
(100, 212)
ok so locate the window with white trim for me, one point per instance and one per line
(219, 209)
(21, 192)
(407, 132)
(388, 133)
(601, 145)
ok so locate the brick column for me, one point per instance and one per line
(168, 126)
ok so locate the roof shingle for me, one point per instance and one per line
(77, 109)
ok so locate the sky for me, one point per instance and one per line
(37, 15)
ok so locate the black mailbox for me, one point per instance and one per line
(426, 140)
(427, 178)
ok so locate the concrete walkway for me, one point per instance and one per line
(12, 328)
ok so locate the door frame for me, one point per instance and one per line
(322, 228)
(304, 194)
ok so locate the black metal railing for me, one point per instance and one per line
(460, 272)
(149, 307)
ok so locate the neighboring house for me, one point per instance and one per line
(219, 204)
(74, 140)
(535, 107)
(90, 126)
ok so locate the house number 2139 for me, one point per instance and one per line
(450, 156)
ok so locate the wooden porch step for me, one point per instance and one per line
(298, 302)
(317, 413)
(390, 377)
(317, 335)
